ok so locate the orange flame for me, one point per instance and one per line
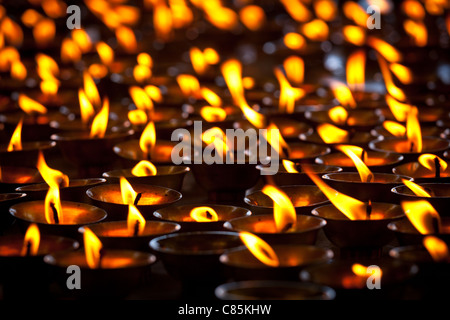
(30, 17)
(294, 41)
(385, 49)
(126, 39)
(141, 98)
(428, 161)
(162, 21)
(100, 122)
(355, 70)
(398, 109)
(211, 97)
(105, 53)
(392, 89)
(44, 31)
(325, 9)
(423, 216)
(92, 248)
(413, 131)
(18, 70)
(413, 9)
(217, 138)
(154, 93)
(204, 214)
(189, 85)
(142, 73)
(289, 166)
(70, 52)
(316, 30)
(283, 209)
(343, 94)
(364, 172)
(198, 62)
(332, 134)
(437, 248)
(338, 115)
(86, 108)
(394, 128)
(350, 207)
(98, 70)
(30, 106)
(253, 17)
(297, 10)
(127, 192)
(219, 16)
(259, 248)
(288, 94)
(147, 140)
(213, 114)
(354, 34)
(15, 144)
(135, 221)
(137, 117)
(418, 190)
(294, 67)
(82, 39)
(31, 241)
(11, 31)
(355, 12)
(417, 31)
(404, 74)
(143, 169)
(362, 271)
(90, 89)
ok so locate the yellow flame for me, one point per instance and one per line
(137, 117)
(53, 199)
(147, 140)
(355, 12)
(362, 271)
(30, 106)
(413, 9)
(31, 241)
(211, 97)
(189, 85)
(260, 249)
(154, 92)
(90, 89)
(283, 209)
(422, 215)
(44, 31)
(398, 109)
(275, 139)
(7, 56)
(127, 192)
(126, 39)
(343, 94)
(134, 219)
(140, 98)
(294, 67)
(354, 34)
(11, 31)
(30, 17)
(100, 122)
(105, 53)
(92, 248)
(248, 82)
(181, 14)
(255, 118)
(98, 70)
(198, 61)
(289, 166)
(217, 138)
(364, 172)
(204, 214)
(86, 108)
(142, 73)
(350, 207)
(253, 17)
(162, 21)
(417, 31)
(213, 114)
(219, 16)
(437, 248)
(338, 115)
(294, 41)
(316, 30)
(428, 161)
(52, 177)
(325, 9)
(413, 131)
(417, 189)
(297, 10)
(18, 70)
(391, 88)
(355, 70)
(82, 39)
(388, 52)
(332, 134)
(394, 128)
(47, 67)
(288, 94)
(143, 169)
(15, 144)
(70, 52)
(404, 74)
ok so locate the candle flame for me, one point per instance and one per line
(394, 128)
(141, 98)
(338, 115)
(154, 92)
(294, 66)
(204, 214)
(294, 41)
(100, 122)
(398, 109)
(354, 34)
(283, 209)
(70, 52)
(90, 89)
(82, 39)
(143, 169)
(417, 31)
(44, 32)
(86, 108)
(316, 30)
(288, 94)
(31, 241)
(403, 73)
(126, 39)
(355, 70)
(325, 9)
(352, 151)
(413, 9)
(135, 221)
(216, 138)
(105, 53)
(388, 52)
(289, 166)
(30, 106)
(275, 139)
(417, 189)
(297, 10)
(332, 134)
(422, 216)
(259, 248)
(213, 114)
(92, 248)
(437, 248)
(363, 271)
(18, 70)
(413, 131)
(343, 94)
(138, 117)
(350, 207)
(211, 97)
(142, 73)
(127, 192)
(356, 13)
(428, 161)
(253, 17)
(147, 140)
(15, 143)
(189, 85)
